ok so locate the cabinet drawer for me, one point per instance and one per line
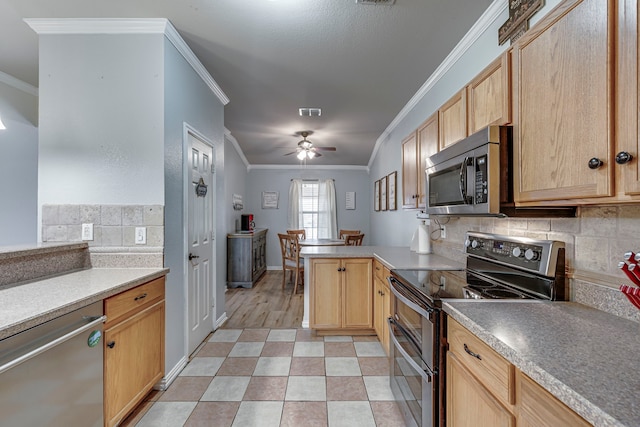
(491, 369)
(134, 299)
(378, 269)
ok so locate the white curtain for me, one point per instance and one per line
(327, 225)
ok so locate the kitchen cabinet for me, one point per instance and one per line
(489, 96)
(452, 118)
(416, 148)
(341, 294)
(133, 349)
(246, 258)
(381, 303)
(563, 111)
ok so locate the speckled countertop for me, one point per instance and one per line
(391, 256)
(7, 252)
(26, 305)
(585, 357)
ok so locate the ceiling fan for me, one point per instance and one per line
(306, 149)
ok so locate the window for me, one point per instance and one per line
(312, 207)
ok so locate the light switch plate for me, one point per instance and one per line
(141, 235)
(87, 231)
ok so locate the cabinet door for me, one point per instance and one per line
(378, 308)
(538, 408)
(358, 293)
(133, 361)
(468, 401)
(409, 172)
(563, 103)
(489, 96)
(452, 117)
(326, 293)
(628, 98)
(427, 145)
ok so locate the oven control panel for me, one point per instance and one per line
(521, 253)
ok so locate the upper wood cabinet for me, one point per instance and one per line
(452, 117)
(563, 104)
(416, 148)
(489, 96)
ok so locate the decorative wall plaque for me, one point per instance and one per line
(201, 188)
(520, 11)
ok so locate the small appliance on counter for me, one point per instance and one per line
(247, 223)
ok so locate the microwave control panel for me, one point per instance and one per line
(482, 192)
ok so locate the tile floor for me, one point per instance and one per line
(277, 377)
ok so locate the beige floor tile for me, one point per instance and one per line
(374, 365)
(225, 335)
(346, 388)
(342, 366)
(308, 349)
(226, 389)
(387, 414)
(365, 338)
(378, 388)
(238, 366)
(266, 388)
(273, 349)
(307, 366)
(307, 389)
(167, 414)
(259, 335)
(186, 389)
(246, 349)
(350, 414)
(263, 414)
(282, 335)
(369, 349)
(202, 367)
(215, 349)
(213, 414)
(338, 338)
(307, 335)
(339, 349)
(308, 414)
(273, 367)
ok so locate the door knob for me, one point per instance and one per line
(595, 163)
(623, 157)
(192, 256)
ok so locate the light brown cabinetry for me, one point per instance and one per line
(416, 148)
(341, 294)
(382, 298)
(484, 389)
(134, 348)
(489, 96)
(452, 117)
(563, 103)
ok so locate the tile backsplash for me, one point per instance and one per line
(595, 242)
(113, 243)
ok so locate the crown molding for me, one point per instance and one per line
(128, 26)
(18, 84)
(313, 167)
(234, 142)
(481, 25)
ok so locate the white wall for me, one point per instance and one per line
(275, 220)
(18, 166)
(396, 228)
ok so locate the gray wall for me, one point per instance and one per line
(275, 220)
(235, 182)
(396, 228)
(18, 167)
(187, 99)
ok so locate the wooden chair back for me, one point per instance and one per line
(300, 234)
(353, 239)
(290, 251)
(343, 233)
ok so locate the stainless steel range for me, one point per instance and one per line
(497, 267)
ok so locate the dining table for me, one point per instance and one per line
(321, 242)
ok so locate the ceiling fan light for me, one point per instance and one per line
(311, 154)
(305, 144)
(301, 154)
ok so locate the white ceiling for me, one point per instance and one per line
(360, 63)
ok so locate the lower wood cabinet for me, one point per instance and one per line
(484, 389)
(341, 294)
(133, 349)
(381, 303)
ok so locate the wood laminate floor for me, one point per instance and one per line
(266, 305)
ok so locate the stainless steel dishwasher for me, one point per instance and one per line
(52, 374)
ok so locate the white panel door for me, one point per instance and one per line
(201, 262)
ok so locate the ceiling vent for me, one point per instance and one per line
(310, 112)
(376, 2)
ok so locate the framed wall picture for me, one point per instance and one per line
(376, 195)
(269, 200)
(392, 179)
(383, 194)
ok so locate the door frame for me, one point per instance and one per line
(186, 186)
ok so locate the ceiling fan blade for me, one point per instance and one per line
(288, 154)
(324, 148)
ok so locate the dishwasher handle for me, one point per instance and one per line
(51, 344)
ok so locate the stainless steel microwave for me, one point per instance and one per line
(474, 177)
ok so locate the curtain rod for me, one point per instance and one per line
(312, 179)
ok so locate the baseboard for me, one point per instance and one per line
(220, 321)
(274, 267)
(166, 381)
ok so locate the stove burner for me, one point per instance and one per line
(501, 294)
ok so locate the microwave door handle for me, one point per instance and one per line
(463, 180)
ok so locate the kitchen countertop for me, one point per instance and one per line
(585, 357)
(26, 305)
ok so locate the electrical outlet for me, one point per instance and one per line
(141, 235)
(443, 231)
(87, 231)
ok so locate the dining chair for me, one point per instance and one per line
(300, 234)
(353, 239)
(343, 233)
(291, 258)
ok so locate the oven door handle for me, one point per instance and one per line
(398, 290)
(425, 373)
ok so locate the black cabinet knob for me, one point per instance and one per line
(595, 163)
(623, 157)
(111, 344)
